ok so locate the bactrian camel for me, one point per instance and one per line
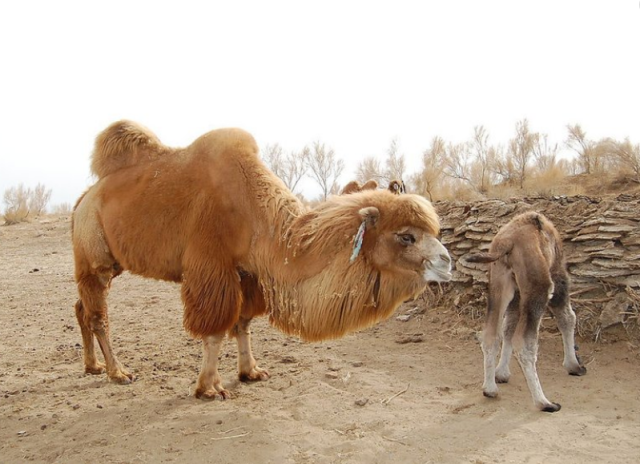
(213, 217)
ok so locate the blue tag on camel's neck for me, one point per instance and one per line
(357, 242)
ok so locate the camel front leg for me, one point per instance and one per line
(248, 369)
(209, 382)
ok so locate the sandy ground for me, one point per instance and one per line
(401, 392)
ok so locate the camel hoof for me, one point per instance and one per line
(581, 370)
(489, 394)
(553, 407)
(502, 378)
(97, 369)
(255, 375)
(122, 378)
(211, 394)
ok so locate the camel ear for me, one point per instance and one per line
(370, 216)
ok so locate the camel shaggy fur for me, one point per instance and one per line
(213, 217)
(527, 275)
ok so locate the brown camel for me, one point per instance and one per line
(527, 275)
(214, 218)
(355, 187)
(395, 186)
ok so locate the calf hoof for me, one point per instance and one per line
(553, 407)
(502, 378)
(490, 394)
(579, 371)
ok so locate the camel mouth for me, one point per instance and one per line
(437, 275)
(446, 276)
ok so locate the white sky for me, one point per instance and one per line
(352, 74)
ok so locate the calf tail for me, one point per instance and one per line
(501, 250)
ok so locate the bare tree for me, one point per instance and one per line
(521, 149)
(429, 179)
(325, 168)
(544, 153)
(628, 155)
(369, 168)
(458, 164)
(503, 166)
(483, 157)
(578, 142)
(273, 156)
(394, 163)
(291, 168)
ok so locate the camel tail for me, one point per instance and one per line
(124, 144)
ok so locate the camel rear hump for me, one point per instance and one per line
(124, 144)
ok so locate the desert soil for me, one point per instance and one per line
(405, 391)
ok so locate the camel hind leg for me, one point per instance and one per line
(91, 363)
(93, 319)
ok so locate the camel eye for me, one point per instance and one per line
(406, 239)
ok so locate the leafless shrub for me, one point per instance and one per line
(16, 201)
(61, 209)
(21, 203)
(38, 199)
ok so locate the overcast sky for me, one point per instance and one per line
(352, 74)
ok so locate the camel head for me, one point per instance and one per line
(395, 235)
(405, 242)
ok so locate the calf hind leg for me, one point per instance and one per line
(501, 292)
(527, 351)
(566, 319)
(510, 322)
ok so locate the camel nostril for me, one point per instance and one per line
(445, 257)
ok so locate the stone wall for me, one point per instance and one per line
(601, 242)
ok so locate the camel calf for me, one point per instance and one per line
(527, 274)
